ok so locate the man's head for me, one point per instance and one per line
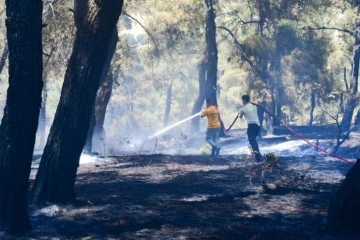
(210, 102)
(245, 99)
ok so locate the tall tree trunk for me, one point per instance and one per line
(352, 101)
(312, 107)
(3, 58)
(357, 121)
(168, 104)
(195, 122)
(211, 54)
(102, 99)
(263, 7)
(56, 176)
(344, 211)
(19, 123)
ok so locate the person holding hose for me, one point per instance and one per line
(213, 129)
(249, 111)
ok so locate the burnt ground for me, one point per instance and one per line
(197, 197)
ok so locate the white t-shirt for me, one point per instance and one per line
(250, 113)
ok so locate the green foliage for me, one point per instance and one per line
(271, 161)
(162, 43)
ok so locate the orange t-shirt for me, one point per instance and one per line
(212, 114)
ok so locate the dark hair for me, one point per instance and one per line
(246, 98)
(210, 102)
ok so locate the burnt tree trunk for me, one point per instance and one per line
(103, 95)
(312, 107)
(344, 211)
(168, 104)
(3, 58)
(103, 98)
(352, 101)
(195, 122)
(212, 60)
(56, 176)
(357, 121)
(20, 120)
(264, 8)
(211, 54)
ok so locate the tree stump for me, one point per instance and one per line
(344, 211)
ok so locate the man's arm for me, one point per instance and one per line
(241, 113)
(203, 113)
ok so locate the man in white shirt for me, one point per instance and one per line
(249, 111)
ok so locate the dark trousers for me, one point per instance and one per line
(252, 132)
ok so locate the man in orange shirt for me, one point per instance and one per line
(213, 129)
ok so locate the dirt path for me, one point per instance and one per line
(196, 197)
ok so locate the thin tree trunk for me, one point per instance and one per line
(20, 120)
(168, 104)
(56, 176)
(345, 80)
(352, 101)
(106, 82)
(262, 4)
(195, 122)
(261, 113)
(211, 55)
(278, 112)
(312, 107)
(274, 107)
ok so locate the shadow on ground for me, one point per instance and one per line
(196, 197)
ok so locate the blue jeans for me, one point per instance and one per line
(212, 136)
(252, 132)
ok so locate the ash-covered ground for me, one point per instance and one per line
(171, 189)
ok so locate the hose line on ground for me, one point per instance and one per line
(304, 139)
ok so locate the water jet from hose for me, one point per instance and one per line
(158, 133)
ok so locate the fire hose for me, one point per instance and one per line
(298, 136)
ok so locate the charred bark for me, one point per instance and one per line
(195, 122)
(3, 58)
(56, 176)
(352, 102)
(103, 95)
(344, 211)
(103, 98)
(20, 120)
(211, 55)
(264, 9)
(357, 121)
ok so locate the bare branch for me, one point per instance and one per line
(309, 28)
(249, 22)
(145, 29)
(238, 45)
(231, 34)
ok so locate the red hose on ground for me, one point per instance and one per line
(304, 139)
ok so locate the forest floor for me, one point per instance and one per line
(159, 196)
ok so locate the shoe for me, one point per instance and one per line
(217, 151)
(213, 151)
(259, 158)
